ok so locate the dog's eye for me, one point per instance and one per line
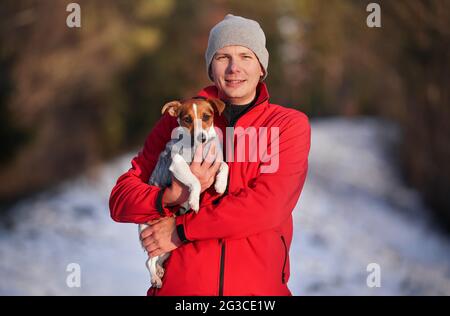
(187, 120)
(206, 117)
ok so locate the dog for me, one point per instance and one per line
(196, 126)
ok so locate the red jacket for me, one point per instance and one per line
(239, 242)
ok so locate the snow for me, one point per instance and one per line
(354, 210)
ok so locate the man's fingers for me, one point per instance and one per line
(210, 157)
(198, 157)
(149, 241)
(150, 244)
(212, 149)
(152, 248)
(215, 166)
(155, 253)
(146, 233)
(148, 230)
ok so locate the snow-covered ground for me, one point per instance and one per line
(353, 211)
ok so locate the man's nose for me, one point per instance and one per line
(233, 66)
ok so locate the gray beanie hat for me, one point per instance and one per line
(236, 30)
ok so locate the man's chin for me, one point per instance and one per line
(234, 93)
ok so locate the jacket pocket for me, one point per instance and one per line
(283, 271)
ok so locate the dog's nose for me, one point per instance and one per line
(201, 138)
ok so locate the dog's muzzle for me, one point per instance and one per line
(202, 137)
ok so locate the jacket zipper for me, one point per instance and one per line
(222, 251)
(283, 275)
(222, 267)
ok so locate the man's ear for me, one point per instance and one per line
(217, 104)
(172, 107)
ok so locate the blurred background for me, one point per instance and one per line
(77, 103)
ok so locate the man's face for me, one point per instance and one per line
(236, 72)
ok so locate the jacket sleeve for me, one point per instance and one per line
(132, 199)
(265, 202)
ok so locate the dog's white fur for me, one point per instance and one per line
(170, 162)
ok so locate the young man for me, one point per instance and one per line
(238, 243)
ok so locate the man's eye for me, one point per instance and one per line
(248, 57)
(187, 120)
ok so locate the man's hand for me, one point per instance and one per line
(160, 237)
(205, 171)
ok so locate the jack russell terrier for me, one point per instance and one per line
(196, 126)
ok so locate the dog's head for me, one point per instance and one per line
(196, 115)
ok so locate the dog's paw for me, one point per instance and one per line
(221, 185)
(194, 204)
(159, 271)
(156, 281)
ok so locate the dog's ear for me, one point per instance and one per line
(217, 104)
(172, 107)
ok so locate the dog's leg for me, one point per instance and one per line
(159, 264)
(151, 263)
(154, 277)
(221, 178)
(182, 172)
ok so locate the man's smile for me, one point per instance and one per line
(234, 82)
